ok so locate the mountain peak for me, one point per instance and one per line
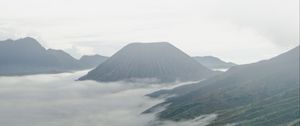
(26, 56)
(149, 43)
(160, 61)
(28, 41)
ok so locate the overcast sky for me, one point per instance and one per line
(241, 31)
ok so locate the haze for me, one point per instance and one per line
(256, 29)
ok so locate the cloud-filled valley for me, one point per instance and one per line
(149, 63)
(57, 99)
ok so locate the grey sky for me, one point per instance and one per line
(234, 30)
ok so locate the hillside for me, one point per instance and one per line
(265, 93)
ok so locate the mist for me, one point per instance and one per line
(207, 27)
(59, 100)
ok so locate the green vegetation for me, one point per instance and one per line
(259, 94)
(281, 109)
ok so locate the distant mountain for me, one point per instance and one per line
(213, 62)
(26, 56)
(92, 61)
(265, 93)
(64, 60)
(151, 62)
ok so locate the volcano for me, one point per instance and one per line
(149, 62)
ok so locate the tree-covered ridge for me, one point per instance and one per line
(252, 94)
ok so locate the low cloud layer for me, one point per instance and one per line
(58, 100)
(199, 121)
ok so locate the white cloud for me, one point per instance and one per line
(199, 121)
(58, 100)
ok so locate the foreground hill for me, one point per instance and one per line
(151, 62)
(213, 62)
(265, 93)
(27, 56)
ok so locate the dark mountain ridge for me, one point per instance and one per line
(251, 94)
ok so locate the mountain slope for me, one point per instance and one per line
(26, 56)
(63, 59)
(262, 94)
(91, 61)
(158, 62)
(213, 62)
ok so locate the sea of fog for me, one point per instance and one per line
(59, 100)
